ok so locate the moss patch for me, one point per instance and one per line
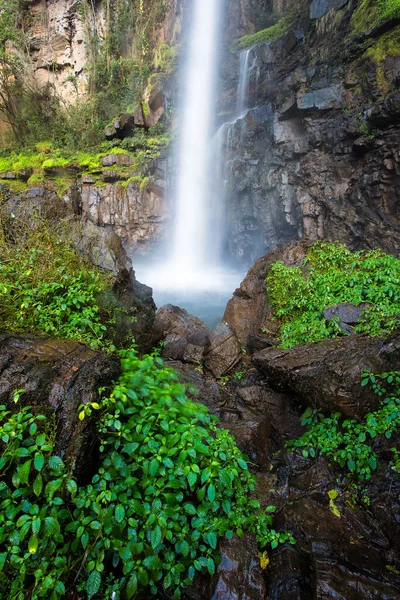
(387, 45)
(370, 13)
(261, 37)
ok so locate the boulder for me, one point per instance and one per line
(138, 311)
(224, 351)
(121, 128)
(58, 376)
(323, 99)
(185, 337)
(346, 314)
(327, 374)
(246, 313)
(101, 245)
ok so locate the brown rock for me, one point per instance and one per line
(327, 374)
(224, 352)
(58, 376)
(185, 337)
(247, 311)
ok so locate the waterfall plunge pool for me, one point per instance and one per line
(203, 294)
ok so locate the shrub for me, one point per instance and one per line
(348, 442)
(46, 286)
(332, 274)
(170, 483)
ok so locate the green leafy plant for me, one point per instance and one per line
(332, 274)
(348, 442)
(170, 483)
(34, 486)
(46, 286)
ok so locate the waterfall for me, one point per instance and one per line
(244, 81)
(191, 274)
(194, 237)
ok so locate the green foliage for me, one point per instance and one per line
(170, 483)
(388, 9)
(46, 286)
(370, 13)
(386, 45)
(332, 274)
(262, 37)
(120, 62)
(34, 488)
(348, 442)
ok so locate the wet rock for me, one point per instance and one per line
(58, 376)
(289, 576)
(139, 310)
(324, 99)
(346, 314)
(319, 8)
(101, 245)
(111, 176)
(40, 202)
(224, 351)
(362, 577)
(239, 575)
(246, 313)
(121, 128)
(185, 337)
(256, 343)
(88, 180)
(327, 374)
(117, 159)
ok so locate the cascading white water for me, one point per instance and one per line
(191, 275)
(244, 81)
(194, 238)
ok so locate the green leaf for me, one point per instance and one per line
(211, 493)
(143, 577)
(23, 471)
(38, 485)
(192, 478)
(211, 539)
(119, 513)
(38, 461)
(210, 566)
(152, 562)
(93, 584)
(153, 467)
(131, 587)
(72, 487)
(51, 526)
(56, 463)
(242, 463)
(33, 544)
(351, 465)
(155, 536)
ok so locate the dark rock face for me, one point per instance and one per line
(327, 374)
(136, 300)
(351, 554)
(185, 337)
(58, 376)
(319, 8)
(239, 574)
(316, 154)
